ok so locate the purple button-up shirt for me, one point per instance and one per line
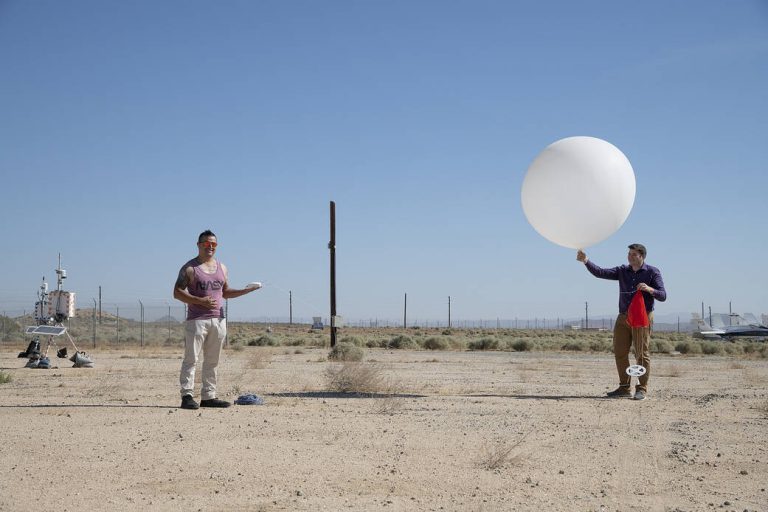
(629, 279)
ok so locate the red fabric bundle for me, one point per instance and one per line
(636, 314)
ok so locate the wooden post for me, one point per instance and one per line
(332, 247)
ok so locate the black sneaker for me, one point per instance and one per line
(214, 402)
(619, 392)
(188, 402)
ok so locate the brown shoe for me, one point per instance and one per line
(620, 392)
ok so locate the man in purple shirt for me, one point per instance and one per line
(203, 285)
(636, 276)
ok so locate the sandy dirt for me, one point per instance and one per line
(464, 431)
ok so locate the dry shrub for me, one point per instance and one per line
(488, 343)
(351, 377)
(601, 345)
(402, 342)
(435, 343)
(689, 347)
(521, 345)
(575, 346)
(260, 359)
(353, 340)
(264, 340)
(661, 346)
(346, 351)
(5, 378)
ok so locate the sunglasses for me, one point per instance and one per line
(208, 245)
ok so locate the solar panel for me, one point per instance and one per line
(48, 330)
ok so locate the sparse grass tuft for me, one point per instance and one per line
(387, 405)
(5, 378)
(352, 377)
(497, 455)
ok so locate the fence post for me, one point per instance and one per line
(93, 323)
(141, 319)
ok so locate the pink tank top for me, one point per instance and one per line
(206, 285)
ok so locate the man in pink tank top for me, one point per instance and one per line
(202, 285)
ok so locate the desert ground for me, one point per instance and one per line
(450, 430)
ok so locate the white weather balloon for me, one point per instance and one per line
(578, 191)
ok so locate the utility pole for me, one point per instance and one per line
(586, 315)
(405, 312)
(290, 307)
(332, 247)
(99, 304)
(449, 311)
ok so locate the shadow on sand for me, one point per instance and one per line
(86, 406)
(338, 394)
(539, 397)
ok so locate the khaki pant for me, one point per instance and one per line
(208, 336)
(624, 338)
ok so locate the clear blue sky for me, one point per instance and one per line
(126, 128)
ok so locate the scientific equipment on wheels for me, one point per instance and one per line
(51, 310)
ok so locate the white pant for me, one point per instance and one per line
(207, 335)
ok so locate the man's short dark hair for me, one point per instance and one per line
(205, 234)
(639, 248)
